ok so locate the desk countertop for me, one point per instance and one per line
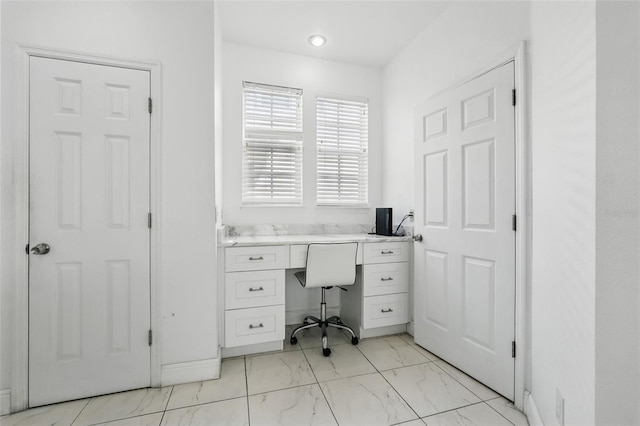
(270, 240)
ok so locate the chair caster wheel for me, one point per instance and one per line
(293, 340)
(326, 351)
(354, 340)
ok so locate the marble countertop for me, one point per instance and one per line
(268, 240)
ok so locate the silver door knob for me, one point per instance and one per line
(42, 248)
(417, 237)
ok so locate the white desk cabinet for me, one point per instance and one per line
(254, 284)
(378, 303)
(254, 290)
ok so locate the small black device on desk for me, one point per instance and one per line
(384, 221)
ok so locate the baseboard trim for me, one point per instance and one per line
(252, 349)
(5, 402)
(410, 328)
(530, 409)
(296, 317)
(193, 371)
(382, 331)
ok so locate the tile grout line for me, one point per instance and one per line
(453, 409)
(499, 413)
(80, 412)
(462, 384)
(394, 389)
(320, 387)
(165, 407)
(246, 384)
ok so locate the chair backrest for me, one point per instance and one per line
(330, 264)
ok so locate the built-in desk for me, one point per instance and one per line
(254, 287)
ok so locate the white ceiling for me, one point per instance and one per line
(365, 32)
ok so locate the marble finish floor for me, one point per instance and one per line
(382, 381)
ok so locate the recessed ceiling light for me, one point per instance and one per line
(317, 40)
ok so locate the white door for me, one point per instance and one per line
(465, 264)
(89, 296)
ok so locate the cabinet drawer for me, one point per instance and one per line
(255, 258)
(380, 311)
(386, 252)
(385, 278)
(254, 325)
(254, 288)
(298, 255)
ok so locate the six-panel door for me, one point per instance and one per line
(465, 265)
(89, 297)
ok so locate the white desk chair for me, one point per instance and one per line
(328, 265)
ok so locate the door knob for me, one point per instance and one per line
(42, 248)
(417, 237)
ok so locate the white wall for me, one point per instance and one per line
(463, 40)
(563, 57)
(312, 75)
(180, 35)
(217, 52)
(617, 213)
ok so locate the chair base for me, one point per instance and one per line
(323, 322)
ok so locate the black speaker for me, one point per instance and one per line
(384, 225)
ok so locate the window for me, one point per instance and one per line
(272, 145)
(342, 139)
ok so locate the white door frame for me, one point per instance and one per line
(20, 364)
(518, 54)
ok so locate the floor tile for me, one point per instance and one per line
(344, 361)
(428, 389)
(366, 400)
(229, 412)
(509, 411)
(231, 384)
(390, 352)
(409, 339)
(472, 415)
(56, 414)
(277, 371)
(312, 337)
(123, 405)
(147, 420)
(470, 383)
(303, 405)
(416, 422)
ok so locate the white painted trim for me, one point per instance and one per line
(411, 326)
(5, 402)
(366, 333)
(252, 349)
(20, 366)
(523, 233)
(530, 409)
(194, 371)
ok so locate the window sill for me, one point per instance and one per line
(339, 206)
(251, 206)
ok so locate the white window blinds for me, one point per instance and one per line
(342, 140)
(272, 144)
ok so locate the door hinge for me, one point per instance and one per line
(150, 105)
(513, 97)
(513, 349)
(148, 220)
(150, 337)
(514, 222)
(26, 249)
